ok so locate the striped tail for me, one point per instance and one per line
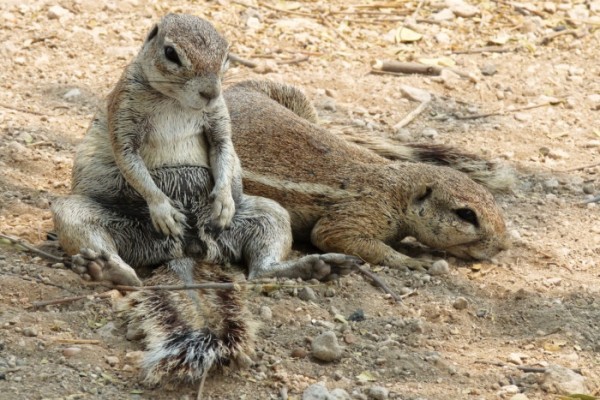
(188, 332)
(494, 176)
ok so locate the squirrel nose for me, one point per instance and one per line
(210, 93)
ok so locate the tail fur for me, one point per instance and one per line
(288, 96)
(188, 332)
(496, 177)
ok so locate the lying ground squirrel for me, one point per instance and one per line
(346, 198)
(154, 172)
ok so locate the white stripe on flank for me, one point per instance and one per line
(299, 187)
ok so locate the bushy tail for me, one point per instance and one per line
(189, 331)
(496, 177)
(288, 96)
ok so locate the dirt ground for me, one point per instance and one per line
(464, 335)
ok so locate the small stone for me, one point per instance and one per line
(134, 333)
(57, 12)
(72, 94)
(429, 133)
(325, 347)
(442, 37)
(460, 303)
(515, 358)
(522, 117)
(519, 396)
(127, 368)
(328, 104)
(265, 313)
(488, 69)
(561, 380)
(440, 267)
(415, 94)
(403, 135)
(357, 316)
(350, 338)
(330, 292)
(445, 14)
(318, 391)
(134, 357)
(339, 394)
(111, 360)
(299, 352)
(30, 332)
(589, 188)
(508, 389)
(253, 23)
(71, 351)
(307, 294)
(378, 393)
(549, 7)
(462, 9)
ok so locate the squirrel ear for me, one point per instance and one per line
(152, 33)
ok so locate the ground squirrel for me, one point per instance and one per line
(348, 199)
(154, 166)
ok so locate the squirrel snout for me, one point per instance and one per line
(210, 93)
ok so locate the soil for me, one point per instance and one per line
(462, 335)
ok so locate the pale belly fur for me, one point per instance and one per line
(177, 138)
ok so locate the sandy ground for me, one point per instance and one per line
(463, 335)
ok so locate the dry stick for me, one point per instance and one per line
(411, 115)
(294, 61)
(291, 12)
(380, 283)
(493, 113)
(548, 38)
(581, 167)
(9, 107)
(29, 247)
(488, 49)
(78, 341)
(65, 300)
(239, 60)
(406, 68)
(339, 35)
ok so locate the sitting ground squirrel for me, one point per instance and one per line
(346, 198)
(153, 174)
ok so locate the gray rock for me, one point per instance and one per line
(378, 393)
(440, 267)
(339, 394)
(551, 184)
(318, 391)
(460, 303)
(561, 380)
(266, 313)
(429, 133)
(30, 332)
(325, 347)
(307, 294)
(488, 69)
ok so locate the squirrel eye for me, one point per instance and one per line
(425, 195)
(466, 214)
(171, 55)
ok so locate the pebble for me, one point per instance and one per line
(330, 292)
(551, 184)
(134, 333)
(307, 294)
(561, 380)
(299, 352)
(57, 12)
(265, 313)
(339, 394)
(134, 357)
(488, 69)
(429, 133)
(325, 347)
(318, 391)
(403, 135)
(460, 303)
(378, 393)
(444, 15)
(589, 188)
(508, 389)
(462, 9)
(329, 104)
(253, 23)
(522, 117)
(71, 351)
(519, 396)
(440, 267)
(111, 360)
(30, 332)
(415, 94)
(515, 358)
(72, 94)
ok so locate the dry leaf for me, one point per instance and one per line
(406, 35)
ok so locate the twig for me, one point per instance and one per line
(27, 246)
(504, 112)
(196, 286)
(291, 12)
(581, 167)
(294, 61)
(23, 110)
(548, 38)
(411, 115)
(77, 341)
(65, 300)
(239, 60)
(336, 33)
(406, 68)
(380, 283)
(592, 200)
(37, 280)
(487, 49)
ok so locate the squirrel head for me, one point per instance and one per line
(184, 57)
(451, 212)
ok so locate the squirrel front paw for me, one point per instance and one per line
(223, 208)
(166, 218)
